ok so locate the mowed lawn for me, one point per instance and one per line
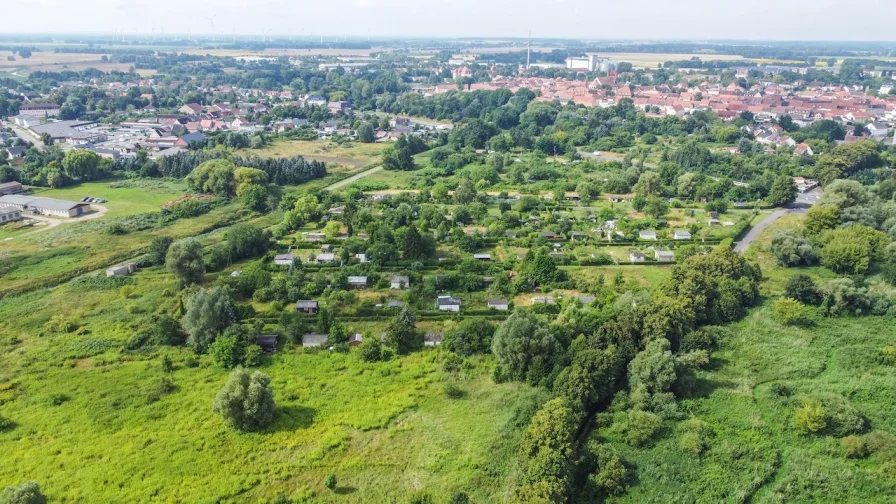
(92, 426)
(345, 157)
(125, 197)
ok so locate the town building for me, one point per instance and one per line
(9, 214)
(45, 206)
(498, 304)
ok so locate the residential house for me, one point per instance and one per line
(400, 282)
(362, 258)
(121, 270)
(307, 306)
(191, 109)
(340, 106)
(664, 255)
(637, 257)
(357, 282)
(682, 234)
(284, 259)
(394, 304)
(315, 237)
(325, 258)
(448, 303)
(647, 235)
(316, 101)
(15, 152)
(498, 304)
(545, 300)
(267, 342)
(313, 340)
(432, 339)
(482, 257)
(803, 150)
(355, 339)
(878, 130)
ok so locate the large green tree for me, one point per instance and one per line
(783, 191)
(26, 493)
(246, 402)
(81, 164)
(184, 259)
(208, 313)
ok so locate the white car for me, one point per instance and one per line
(596, 153)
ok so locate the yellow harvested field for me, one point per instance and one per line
(49, 61)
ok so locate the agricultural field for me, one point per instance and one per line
(56, 62)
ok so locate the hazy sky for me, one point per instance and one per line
(628, 19)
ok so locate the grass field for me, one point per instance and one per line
(339, 158)
(760, 374)
(386, 429)
(125, 197)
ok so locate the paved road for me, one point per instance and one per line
(26, 135)
(803, 202)
(359, 176)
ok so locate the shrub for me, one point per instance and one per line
(5, 424)
(855, 447)
(612, 475)
(370, 350)
(888, 355)
(696, 438)
(809, 418)
(26, 493)
(802, 288)
(421, 498)
(841, 417)
(459, 498)
(641, 427)
(788, 311)
(792, 249)
(452, 391)
(246, 402)
(330, 481)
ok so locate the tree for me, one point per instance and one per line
(402, 333)
(472, 336)
(651, 376)
(466, 192)
(81, 164)
(792, 249)
(801, 288)
(247, 240)
(648, 184)
(851, 250)
(208, 312)
(365, 133)
(214, 176)
(246, 402)
(184, 260)
(788, 311)
(820, 218)
(417, 246)
(524, 349)
(245, 177)
(254, 197)
(783, 191)
(235, 347)
(26, 493)
(546, 449)
(164, 330)
(370, 350)
(158, 249)
(656, 207)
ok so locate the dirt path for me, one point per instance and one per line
(99, 211)
(353, 178)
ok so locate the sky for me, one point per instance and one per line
(871, 20)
